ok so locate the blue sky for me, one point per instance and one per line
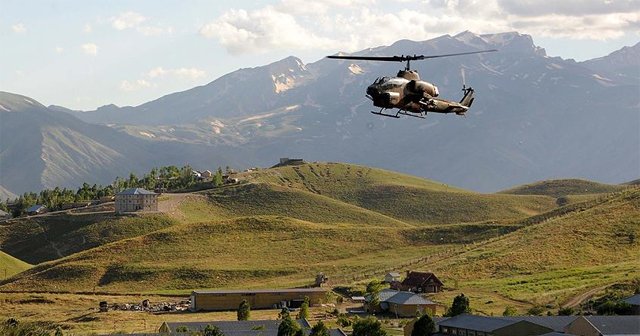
(85, 54)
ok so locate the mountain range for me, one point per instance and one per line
(535, 117)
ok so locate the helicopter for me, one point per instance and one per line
(410, 95)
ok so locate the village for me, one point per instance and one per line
(402, 300)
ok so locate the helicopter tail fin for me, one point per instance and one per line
(468, 98)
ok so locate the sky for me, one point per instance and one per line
(83, 54)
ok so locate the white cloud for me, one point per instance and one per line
(240, 31)
(127, 20)
(19, 28)
(133, 20)
(90, 49)
(87, 28)
(136, 85)
(59, 50)
(350, 25)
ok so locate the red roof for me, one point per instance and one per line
(417, 279)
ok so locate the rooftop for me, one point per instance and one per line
(255, 291)
(477, 323)
(616, 325)
(136, 191)
(634, 300)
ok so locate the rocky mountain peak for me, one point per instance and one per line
(11, 102)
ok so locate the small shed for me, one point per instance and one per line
(207, 174)
(392, 277)
(36, 209)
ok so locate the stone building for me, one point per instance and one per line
(135, 200)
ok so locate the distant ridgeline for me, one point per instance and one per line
(167, 178)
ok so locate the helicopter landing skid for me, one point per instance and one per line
(421, 116)
(386, 115)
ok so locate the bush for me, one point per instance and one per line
(509, 311)
(536, 311)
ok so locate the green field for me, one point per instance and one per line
(10, 265)
(566, 187)
(280, 227)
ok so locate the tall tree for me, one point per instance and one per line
(288, 327)
(244, 310)
(304, 309)
(319, 329)
(460, 306)
(424, 326)
(373, 292)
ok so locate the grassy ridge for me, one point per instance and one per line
(48, 238)
(558, 188)
(557, 256)
(407, 198)
(10, 265)
(266, 199)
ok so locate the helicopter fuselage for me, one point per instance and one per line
(408, 93)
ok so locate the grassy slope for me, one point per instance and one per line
(558, 188)
(288, 223)
(550, 261)
(10, 265)
(411, 199)
(47, 238)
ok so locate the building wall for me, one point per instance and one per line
(231, 301)
(410, 310)
(133, 203)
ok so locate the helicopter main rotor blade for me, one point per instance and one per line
(372, 58)
(405, 58)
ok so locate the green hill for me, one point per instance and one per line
(10, 265)
(279, 227)
(40, 239)
(552, 260)
(407, 198)
(566, 187)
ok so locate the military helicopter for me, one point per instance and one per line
(410, 95)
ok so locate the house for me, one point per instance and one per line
(392, 277)
(4, 215)
(236, 328)
(604, 326)
(634, 302)
(419, 282)
(400, 304)
(136, 199)
(36, 210)
(489, 326)
(207, 174)
(258, 299)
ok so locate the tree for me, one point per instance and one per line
(284, 313)
(244, 310)
(535, 311)
(217, 178)
(460, 306)
(212, 330)
(565, 311)
(58, 332)
(369, 326)
(373, 292)
(424, 326)
(288, 327)
(509, 311)
(319, 329)
(304, 309)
